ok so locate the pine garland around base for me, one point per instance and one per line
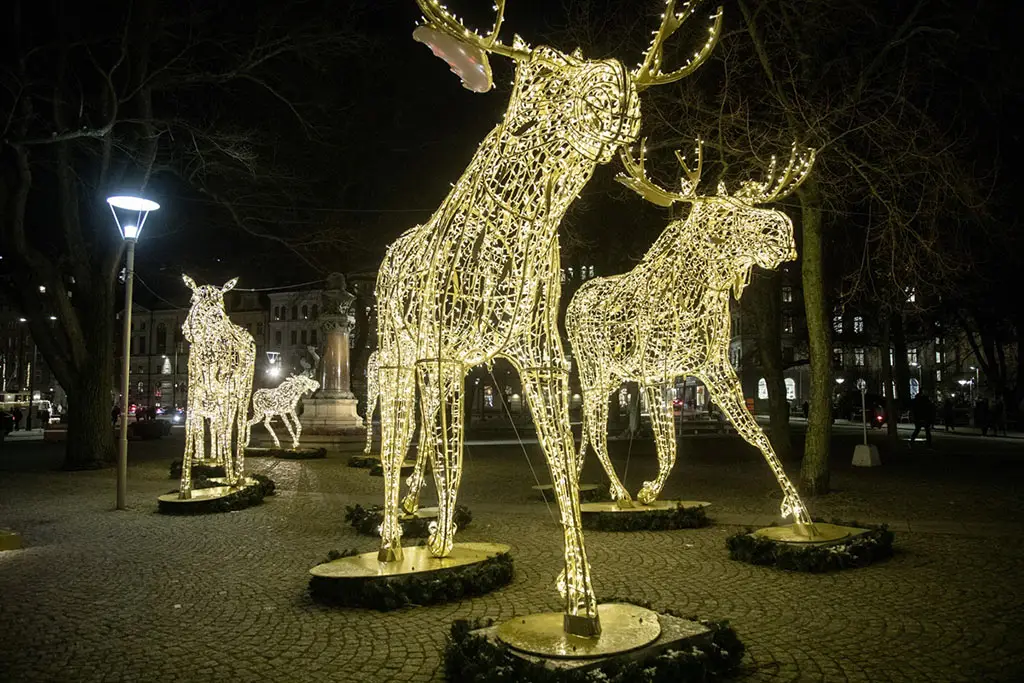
(860, 551)
(654, 520)
(471, 658)
(446, 585)
(364, 461)
(239, 500)
(197, 470)
(367, 521)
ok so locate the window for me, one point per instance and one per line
(762, 388)
(938, 341)
(572, 273)
(911, 298)
(858, 324)
(787, 324)
(316, 310)
(277, 312)
(166, 369)
(858, 357)
(837, 324)
(915, 387)
(837, 357)
(161, 338)
(912, 356)
(892, 356)
(277, 337)
(591, 268)
(938, 357)
(312, 337)
(259, 329)
(295, 312)
(304, 337)
(305, 312)
(790, 389)
(295, 337)
(787, 294)
(142, 345)
(938, 375)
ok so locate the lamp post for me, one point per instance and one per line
(134, 210)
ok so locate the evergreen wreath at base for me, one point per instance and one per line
(471, 658)
(384, 594)
(244, 497)
(859, 551)
(296, 453)
(367, 521)
(197, 470)
(678, 517)
(364, 461)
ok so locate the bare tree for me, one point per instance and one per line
(103, 101)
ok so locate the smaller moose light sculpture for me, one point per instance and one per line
(282, 400)
(669, 316)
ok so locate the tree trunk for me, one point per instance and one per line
(814, 473)
(766, 295)
(90, 440)
(891, 406)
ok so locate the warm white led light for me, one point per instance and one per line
(481, 279)
(221, 362)
(669, 316)
(282, 400)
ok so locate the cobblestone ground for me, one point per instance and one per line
(100, 595)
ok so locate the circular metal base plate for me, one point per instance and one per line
(584, 488)
(639, 508)
(204, 495)
(415, 560)
(421, 513)
(624, 627)
(821, 533)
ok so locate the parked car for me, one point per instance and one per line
(6, 423)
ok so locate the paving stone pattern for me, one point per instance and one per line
(100, 595)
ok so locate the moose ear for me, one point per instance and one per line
(190, 282)
(229, 285)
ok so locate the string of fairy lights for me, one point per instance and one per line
(283, 401)
(481, 278)
(669, 316)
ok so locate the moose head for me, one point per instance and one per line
(304, 383)
(738, 231)
(207, 300)
(589, 106)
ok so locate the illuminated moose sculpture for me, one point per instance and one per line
(221, 359)
(372, 396)
(482, 277)
(282, 400)
(669, 316)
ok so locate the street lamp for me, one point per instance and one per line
(134, 211)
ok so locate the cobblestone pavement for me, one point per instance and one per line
(100, 595)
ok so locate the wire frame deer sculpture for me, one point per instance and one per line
(669, 316)
(221, 361)
(481, 278)
(282, 400)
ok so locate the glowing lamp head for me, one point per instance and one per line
(133, 211)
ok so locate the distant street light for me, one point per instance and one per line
(134, 210)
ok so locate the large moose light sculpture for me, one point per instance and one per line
(669, 316)
(481, 278)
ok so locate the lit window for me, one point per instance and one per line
(787, 324)
(837, 357)
(787, 294)
(858, 357)
(938, 375)
(305, 312)
(837, 324)
(858, 324)
(911, 298)
(938, 357)
(762, 388)
(912, 356)
(790, 389)
(591, 271)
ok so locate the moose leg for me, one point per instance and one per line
(424, 453)
(728, 394)
(664, 436)
(546, 390)
(193, 441)
(441, 406)
(371, 406)
(267, 419)
(397, 412)
(298, 428)
(291, 431)
(595, 424)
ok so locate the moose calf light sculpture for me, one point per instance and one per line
(282, 400)
(481, 278)
(221, 361)
(669, 316)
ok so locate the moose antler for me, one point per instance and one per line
(635, 177)
(775, 188)
(438, 16)
(649, 72)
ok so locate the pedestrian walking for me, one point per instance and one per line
(115, 413)
(17, 415)
(948, 416)
(923, 412)
(806, 408)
